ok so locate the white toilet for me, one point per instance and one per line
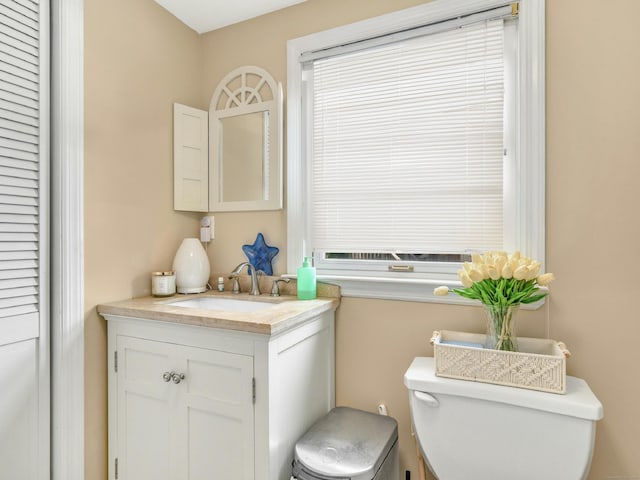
(470, 430)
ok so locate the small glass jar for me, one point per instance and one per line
(163, 284)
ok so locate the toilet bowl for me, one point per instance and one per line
(470, 430)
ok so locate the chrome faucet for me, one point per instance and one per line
(255, 283)
(275, 289)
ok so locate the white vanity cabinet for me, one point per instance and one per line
(194, 402)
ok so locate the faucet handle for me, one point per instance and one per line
(236, 283)
(275, 289)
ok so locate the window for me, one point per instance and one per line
(404, 149)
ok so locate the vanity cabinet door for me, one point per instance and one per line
(145, 403)
(197, 425)
(216, 415)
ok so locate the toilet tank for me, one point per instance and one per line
(476, 430)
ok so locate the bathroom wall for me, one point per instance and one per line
(593, 225)
(593, 146)
(139, 60)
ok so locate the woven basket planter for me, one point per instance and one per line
(539, 365)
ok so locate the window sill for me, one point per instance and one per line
(409, 290)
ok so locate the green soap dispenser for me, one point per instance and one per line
(306, 280)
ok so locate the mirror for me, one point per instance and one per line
(244, 157)
(245, 166)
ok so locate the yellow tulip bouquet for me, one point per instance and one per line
(501, 282)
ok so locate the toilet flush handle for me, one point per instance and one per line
(426, 398)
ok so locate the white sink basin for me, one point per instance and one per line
(222, 304)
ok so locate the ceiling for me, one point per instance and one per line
(206, 15)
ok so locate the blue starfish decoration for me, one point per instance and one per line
(260, 254)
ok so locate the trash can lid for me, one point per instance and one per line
(346, 443)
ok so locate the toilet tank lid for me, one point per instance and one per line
(579, 401)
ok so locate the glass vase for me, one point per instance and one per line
(501, 327)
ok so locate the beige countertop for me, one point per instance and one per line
(285, 313)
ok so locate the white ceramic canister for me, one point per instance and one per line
(191, 265)
(163, 284)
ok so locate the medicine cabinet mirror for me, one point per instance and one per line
(245, 142)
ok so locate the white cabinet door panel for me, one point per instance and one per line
(216, 405)
(19, 410)
(190, 159)
(218, 376)
(144, 410)
(217, 446)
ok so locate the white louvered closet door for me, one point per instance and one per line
(24, 364)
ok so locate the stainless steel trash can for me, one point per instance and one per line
(348, 444)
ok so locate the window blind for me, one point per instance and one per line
(407, 145)
(19, 158)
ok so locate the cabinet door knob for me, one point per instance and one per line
(166, 376)
(177, 377)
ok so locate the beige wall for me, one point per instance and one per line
(139, 60)
(593, 224)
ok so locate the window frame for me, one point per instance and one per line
(529, 123)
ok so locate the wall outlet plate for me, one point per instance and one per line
(208, 222)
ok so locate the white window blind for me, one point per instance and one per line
(19, 159)
(407, 145)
